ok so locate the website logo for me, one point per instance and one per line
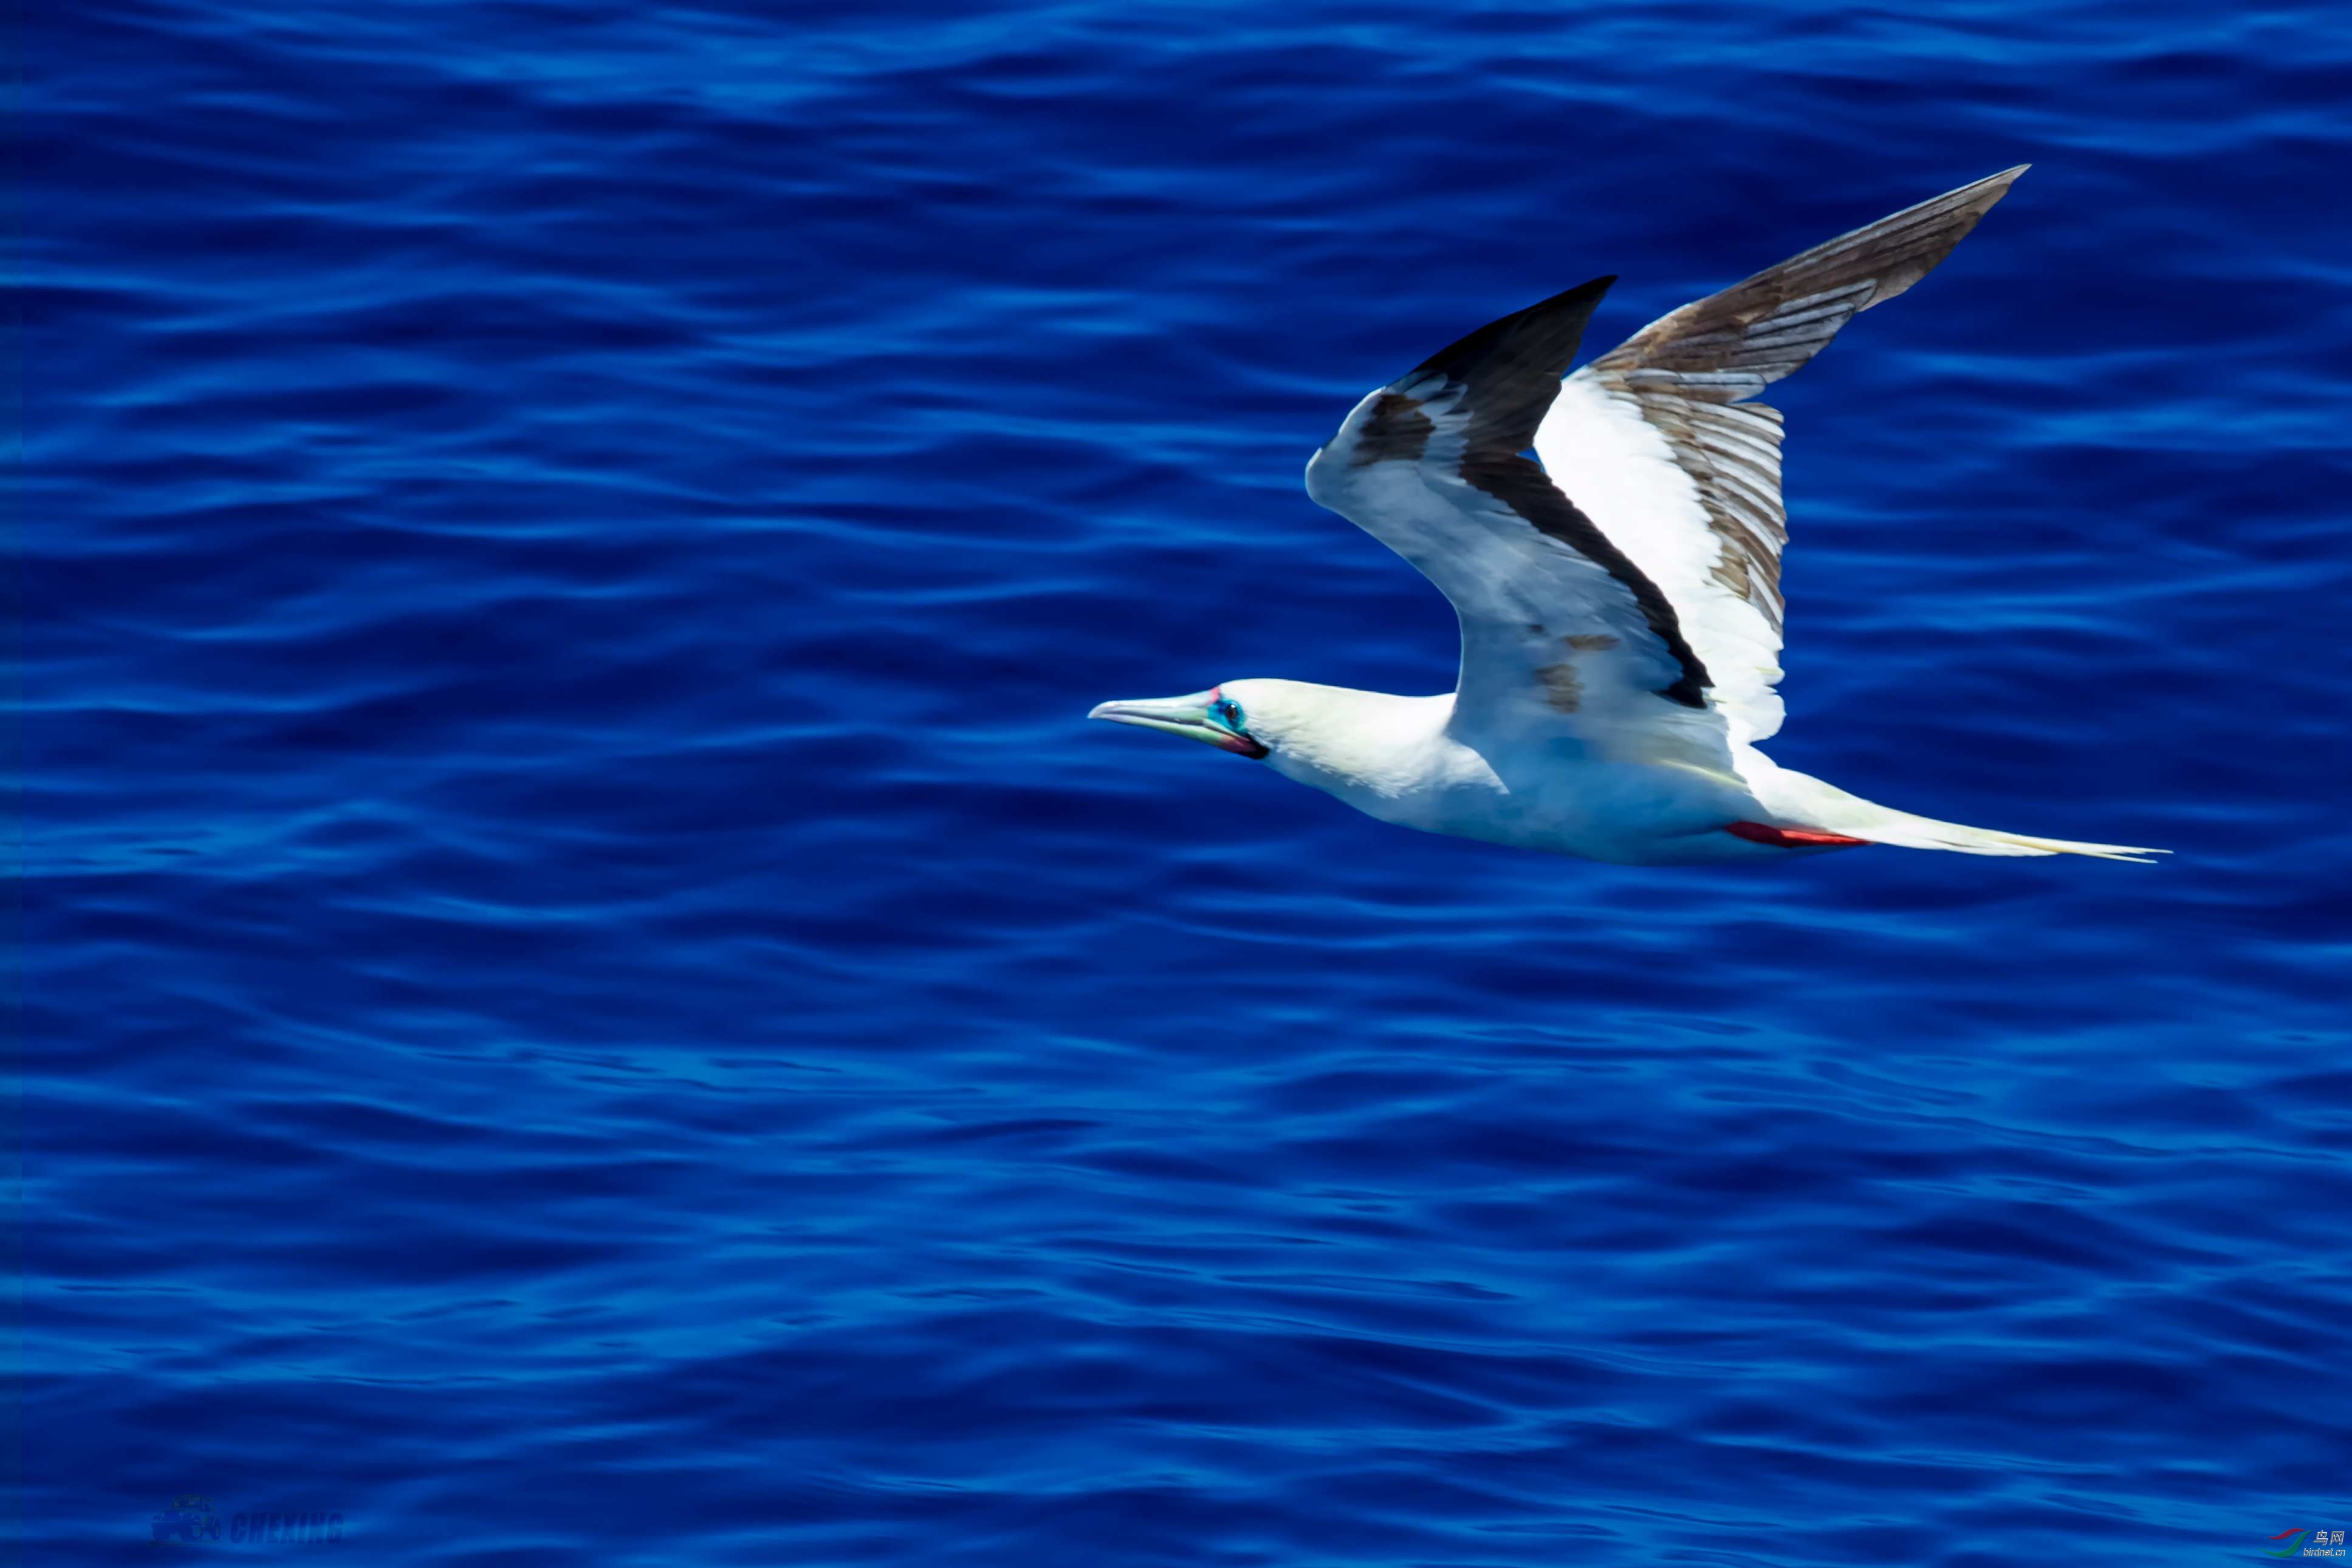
(2306, 1541)
(189, 1520)
(192, 1520)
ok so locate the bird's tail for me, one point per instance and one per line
(1802, 799)
(1886, 827)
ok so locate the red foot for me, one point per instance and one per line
(1787, 838)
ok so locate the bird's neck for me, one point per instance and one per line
(1365, 746)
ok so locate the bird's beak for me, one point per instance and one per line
(1187, 716)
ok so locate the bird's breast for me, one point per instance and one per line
(1600, 810)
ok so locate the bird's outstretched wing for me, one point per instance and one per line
(1625, 594)
(1564, 639)
(1659, 446)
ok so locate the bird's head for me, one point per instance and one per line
(1242, 717)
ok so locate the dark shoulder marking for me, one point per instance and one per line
(1396, 431)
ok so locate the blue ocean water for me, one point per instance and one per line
(591, 997)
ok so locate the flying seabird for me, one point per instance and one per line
(1620, 600)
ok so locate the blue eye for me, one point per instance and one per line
(1230, 712)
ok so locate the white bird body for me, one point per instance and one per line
(1620, 605)
(1395, 758)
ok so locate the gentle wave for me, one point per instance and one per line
(591, 998)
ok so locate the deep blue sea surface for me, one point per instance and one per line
(591, 998)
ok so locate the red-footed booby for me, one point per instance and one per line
(1620, 600)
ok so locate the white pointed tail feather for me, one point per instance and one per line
(1912, 832)
(1803, 801)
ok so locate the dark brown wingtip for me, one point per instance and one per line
(1731, 345)
(1940, 223)
(1511, 369)
(1549, 329)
